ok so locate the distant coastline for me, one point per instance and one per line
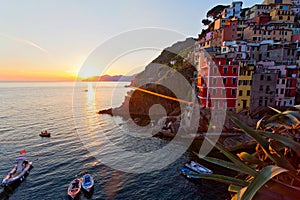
(108, 78)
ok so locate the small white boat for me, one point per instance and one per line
(18, 173)
(74, 188)
(87, 182)
(196, 167)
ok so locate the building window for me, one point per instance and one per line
(268, 88)
(245, 82)
(233, 92)
(224, 81)
(214, 91)
(269, 78)
(240, 82)
(234, 70)
(215, 70)
(283, 81)
(261, 77)
(233, 80)
(240, 92)
(248, 93)
(223, 91)
(276, 91)
(261, 88)
(250, 82)
(225, 70)
(281, 91)
(214, 81)
(260, 101)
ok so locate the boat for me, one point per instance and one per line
(87, 182)
(18, 173)
(189, 173)
(196, 167)
(45, 134)
(74, 188)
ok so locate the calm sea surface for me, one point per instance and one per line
(28, 108)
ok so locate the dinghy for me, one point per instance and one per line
(45, 134)
(87, 182)
(74, 188)
(196, 167)
(18, 173)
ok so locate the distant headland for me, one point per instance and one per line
(107, 78)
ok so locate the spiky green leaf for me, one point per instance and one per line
(223, 163)
(280, 161)
(223, 179)
(284, 140)
(246, 157)
(235, 160)
(261, 179)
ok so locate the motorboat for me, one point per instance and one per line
(74, 188)
(189, 173)
(45, 134)
(18, 173)
(87, 182)
(196, 167)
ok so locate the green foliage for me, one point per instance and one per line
(216, 11)
(272, 171)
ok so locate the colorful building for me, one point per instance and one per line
(217, 81)
(234, 10)
(245, 86)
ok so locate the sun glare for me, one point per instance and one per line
(86, 72)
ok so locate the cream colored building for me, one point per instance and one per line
(267, 2)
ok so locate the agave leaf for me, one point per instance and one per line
(223, 163)
(223, 179)
(278, 111)
(261, 179)
(239, 194)
(235, 160)
(234, 188)
(246, 157)
(280, 161)
(284, 140)
(259, 122)
(294, 113)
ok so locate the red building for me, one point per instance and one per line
(230, 30)
(218, 82)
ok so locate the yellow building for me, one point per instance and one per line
(267, 2)
(282, 13)
(244, 87)
(275, 33)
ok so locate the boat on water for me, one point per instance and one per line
(87, 182)
(192, 168)
(189, 173)
(196, 167)
(74, 188)
(45, 134)
(18, 173)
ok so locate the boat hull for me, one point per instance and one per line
(74, 188)
(87, 183)
(12, 178)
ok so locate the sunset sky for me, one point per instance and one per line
(50, 40)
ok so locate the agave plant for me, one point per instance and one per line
(273, 171)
